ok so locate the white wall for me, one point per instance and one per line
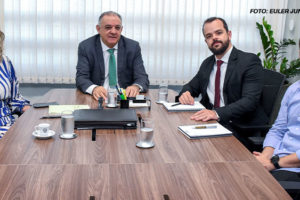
(292, 31)
(289, 33)
(1, 15)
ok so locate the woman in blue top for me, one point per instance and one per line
(10, 98)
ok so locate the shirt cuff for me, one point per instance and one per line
(90, 89)
(141, 88)
(217, 115)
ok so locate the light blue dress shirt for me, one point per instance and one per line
(284, 135)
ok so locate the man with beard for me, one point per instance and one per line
(109, 59)
(230, 81)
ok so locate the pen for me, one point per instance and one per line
(118, 90)
(204, 127)
(176, 104)
(50, 117)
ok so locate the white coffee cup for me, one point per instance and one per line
(42, 129)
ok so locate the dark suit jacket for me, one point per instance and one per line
(242, 88)
(91, 70)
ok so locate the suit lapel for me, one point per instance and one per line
(207, 72)
(100, 58)
(121, 59)
(230, 67)
(230, 70)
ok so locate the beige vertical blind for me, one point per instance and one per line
(42, 36)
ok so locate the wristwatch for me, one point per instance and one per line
(275, 160)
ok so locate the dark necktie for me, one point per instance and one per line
(112, 72)
(217, 84)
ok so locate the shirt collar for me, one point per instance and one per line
(105, 48)
(225, 58)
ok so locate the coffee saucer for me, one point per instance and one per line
(43, 137)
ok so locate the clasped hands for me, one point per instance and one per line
(202, 115)
(100, 91)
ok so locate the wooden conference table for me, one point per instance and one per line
(112, 167)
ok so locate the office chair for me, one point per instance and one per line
(273, 82)
(292, 187)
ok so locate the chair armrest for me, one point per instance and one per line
(290, 185)
(252, 128)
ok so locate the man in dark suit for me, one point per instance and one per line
(95, 55)
(234, 96)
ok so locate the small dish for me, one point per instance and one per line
(43, 137)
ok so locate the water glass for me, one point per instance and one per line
(145, 137)
(67, 125)
(163, 92)
(112, 98)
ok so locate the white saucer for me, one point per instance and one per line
(43, 137)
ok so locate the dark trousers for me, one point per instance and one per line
(288, 179)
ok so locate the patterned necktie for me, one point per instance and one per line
(112, 73)
(217, 84)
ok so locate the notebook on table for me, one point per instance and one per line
(204, 130)
(176, 107)
(105, 119)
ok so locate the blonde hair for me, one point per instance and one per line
(2, 36)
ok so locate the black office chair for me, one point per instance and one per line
(292, 187)
(273, 82)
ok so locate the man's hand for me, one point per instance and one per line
(205, 115)
(186, 98)
(132, 91)
(99, 91)
(264, 160)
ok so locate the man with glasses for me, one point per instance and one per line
(109, 59)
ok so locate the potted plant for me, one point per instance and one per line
(274, 58)
(274, 52)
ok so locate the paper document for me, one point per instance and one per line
(204, 130)
(176, 107)
(58, 109)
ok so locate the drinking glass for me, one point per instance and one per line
(145, 137)
(67, 125)
(163, 92)
(112, 98)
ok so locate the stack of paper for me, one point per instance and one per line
(180, 107)
(58, 109)
(204, 130)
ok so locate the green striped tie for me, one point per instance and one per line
(112, 68)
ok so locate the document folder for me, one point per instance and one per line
(105, 119)
(204, 130)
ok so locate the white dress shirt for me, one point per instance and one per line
(211, 84)
(106, 65)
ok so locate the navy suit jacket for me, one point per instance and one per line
(242, 88)
(91, 69)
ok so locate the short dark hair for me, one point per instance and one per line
(109, 13)
(211, 19)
